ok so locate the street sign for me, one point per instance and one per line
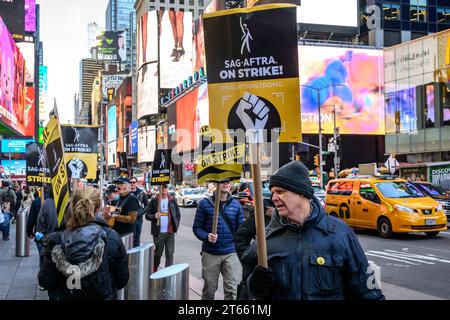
(392, 164)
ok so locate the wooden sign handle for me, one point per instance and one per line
(158, 221)
(216, 208)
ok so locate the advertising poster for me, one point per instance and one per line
(134, 137)
(43, 88)
(147, 38)
(186, 122)
(14, 167)
(111, 81)
(37, 171)
(13, 14)
(440, 175)
(349, 79)
(15, 145)
(198, 46)
(218, 162)
(414, 174)
(30, 111)
(27, 51)
(147, 90)
(30, 15)
(112, 46)
(146, 144)
(253, 86)
(80, 151)
(175, 47)
(161, 168)
(12, 82)
(57, 165)
(112, 135)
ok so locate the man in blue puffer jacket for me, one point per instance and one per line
(218, 250)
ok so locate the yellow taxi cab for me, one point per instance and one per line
(385, 203)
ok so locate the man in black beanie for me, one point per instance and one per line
(311, 255)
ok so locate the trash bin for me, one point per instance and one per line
(127, 241)
(140, 266)
(171, 283)
(22, 240)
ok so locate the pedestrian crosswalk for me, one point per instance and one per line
(407, 258)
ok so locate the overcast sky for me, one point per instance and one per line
(64, 34)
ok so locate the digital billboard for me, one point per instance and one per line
(198, 45)
(175, 47)
(133, 137)
(349, 79)
(186, 122)
(13, 14)
(111, 81)
(15, 145)
(30, 111)
(112, 135)
(147, 90)
(112, 46)
(15, 167)
(146, 144)
(335, 13)
(30, 15)
(12, 82)
(27, 51)
(43, 88)
(147, 38)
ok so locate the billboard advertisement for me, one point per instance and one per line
(146, 144)
(147, 90)
(15, 145)
(30, 111)
(111, 81)
(13, 14)
(112, 46)
(134, 137)
(12, 82)
(175, 47)
(112, 135)
(43, 88)
(334, 13)
(187, 138)
(349, 79)
(30, 15)
(198, 45)
(147, 38)
(27, 51)
(15, 167)
(440, 175)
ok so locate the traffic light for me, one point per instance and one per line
(316, 160)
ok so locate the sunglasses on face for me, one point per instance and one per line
(132, 182)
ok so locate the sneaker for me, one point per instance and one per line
(6, 239)
(42, 288)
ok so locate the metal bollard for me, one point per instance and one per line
(22, 241)
(140, 265)
(127, 241)
(171, 283)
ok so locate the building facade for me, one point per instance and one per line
(88, 71)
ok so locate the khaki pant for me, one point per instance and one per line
(164, 242)
(212, 266)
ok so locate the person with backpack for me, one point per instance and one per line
(19, 197)
(143, 203)
(27, 198)
(7, 203)
(219, 250)
(86, 248)
(165, 225)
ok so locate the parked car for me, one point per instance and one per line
(244, 193)
(190, 196)
(435, 192)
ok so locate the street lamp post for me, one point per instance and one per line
(320, 125)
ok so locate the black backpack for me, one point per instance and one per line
(8, 197)
(141, 210)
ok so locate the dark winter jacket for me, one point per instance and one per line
(174, 212)
(85, 246)
(322, 260)
(33, 216)
(246, 233)
(143, 201)
(204, 220)
(47, 220)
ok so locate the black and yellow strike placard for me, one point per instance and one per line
(252, 63)
(58, 171)
(80, 151)
(37, 171)
(161, 167)
(218, 162)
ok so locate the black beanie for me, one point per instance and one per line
(294, 177)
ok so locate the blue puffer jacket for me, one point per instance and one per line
(204, 220)
(322, 260)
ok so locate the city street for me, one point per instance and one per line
(411, 261)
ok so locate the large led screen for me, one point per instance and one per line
(187, 123)
(175, 47)
(146, 144)
(27, 51)
(147, 38)
(14, 167)
(147, 90)
(198, 45)
(335, 13)
(43, 88)
(112, 135)
(30, 111)
(15, 145)
(349, 79)
(30, 15)
(13, 14)
(12, 82)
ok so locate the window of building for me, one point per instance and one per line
(172, 1)
(418, 10)
(181, 2)
(152, 8)
(191, 2)
(391, 11)
(200, 12)
(443, 15)
(200, 3)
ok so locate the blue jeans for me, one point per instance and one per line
(5, 226)
(137, 231)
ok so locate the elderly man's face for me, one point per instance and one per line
(123, 188)
(290, 205)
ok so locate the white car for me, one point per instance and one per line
(190, 196)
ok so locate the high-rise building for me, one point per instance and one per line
(93, 31)
(88, 71)
(117, 17)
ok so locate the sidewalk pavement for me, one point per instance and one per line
(18, 278)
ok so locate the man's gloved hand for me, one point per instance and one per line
(261, 282)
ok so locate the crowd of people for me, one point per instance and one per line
(310, 254)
